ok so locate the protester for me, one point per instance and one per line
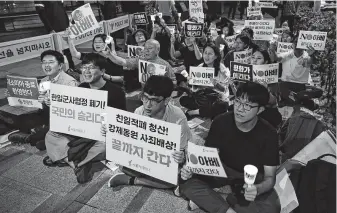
(232, 9)
(241, 138)
(162, 34)
(288, 13)
(243, 8)
(138, 38)
(151, 54)
(156, 104)
(226, 30)
(114, 72)
(168, 10)
(64, 149)
(216, 100)
(34, 129)
(242, 42)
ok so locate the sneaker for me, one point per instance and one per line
(18, 137)
(84, 173)
(192, 206)
(177, 191)
(118, 180)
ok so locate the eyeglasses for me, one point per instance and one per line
(152, 101)
(91, 67)
(245, 106)
(47, 62)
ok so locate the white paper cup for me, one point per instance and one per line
(179, 15)
(184, 73)
(250, 174)
(44, 87)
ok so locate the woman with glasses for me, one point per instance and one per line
(113, 72)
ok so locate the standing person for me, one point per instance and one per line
(241, 138)
(232, 9)
(288, 14)
(243, 8)
(226, 30)
(168, 9)
(55, 19)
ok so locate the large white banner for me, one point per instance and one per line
(85, 21)
(315, 39)
(283, 47)
(23, 49)
(266, 73)
(147, 69)
(263, 29)
(204, 161)
(77, 111)
(196, 10)
(143, 144)
(118, 23)
(201, 76)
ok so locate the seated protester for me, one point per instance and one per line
(191, 56)
(53, 66)
(62, 149)
(150, 54)
(162, 34)
(250, 33)
(215, 102)
(226, 30)
(114, 72)
(286, 36)
(242, 42)
(241, 138)
(156, 104)
(139, 37)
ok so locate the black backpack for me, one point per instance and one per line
(315, 186)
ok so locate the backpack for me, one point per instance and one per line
(297, 132)
(315, 186)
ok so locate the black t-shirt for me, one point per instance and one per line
(116, 96)
(165, 43)
(189, 58)
(258, 147)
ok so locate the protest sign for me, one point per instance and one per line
(279, 31)
(316, 39)
(242, 72)
(230, 40)
(283, 47)
(201, 76)
(85, 21)
(263, 29)
(243, 57)
(23, 91)
(147, 69)
(194, 29)
(77, 111)
(134, 51)
(266, 73)
(254, 11)
(118, 23)
(19, 50)
(204, 161)
(196, 10)
(143, 144)
(140, 19)
(265, 4)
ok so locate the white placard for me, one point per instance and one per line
(23, 49)
(204, 161)
(134, 51)
(266, 73)
(243, 57)
(263, 29)
(254, 11)
(147, 69)
(283, 47)
(143, 144)
(230, 40)
(265, 4)
(118, 23)
(201, 76)
(315, 39)
(196, 10)
(279, 31)
(85, 21)
(77, 111)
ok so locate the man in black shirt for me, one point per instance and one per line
(241, 138)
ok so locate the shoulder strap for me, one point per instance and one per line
(326, 155)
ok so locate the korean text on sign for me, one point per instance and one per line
(194, 29)
(266, 73)
(23, 91)
(147, 69)
(140, 19)
(263, 29)
(315, 39)
(204, 161)
(143, 144)
(196, 10)
(85, 21)
(254, 11)
(76, 111)
(242, 72)
(201, 76)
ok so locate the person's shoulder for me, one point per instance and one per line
(175, 114)
(111, 87)
(200, 65)
(84, 85)
(139, 110)
(266, 126)
(66, 79)
(223, 118)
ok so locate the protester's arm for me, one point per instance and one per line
(309, 60)
(72, 47)
(117, 60)
(197, 52)
(170, 73)
(174, 54)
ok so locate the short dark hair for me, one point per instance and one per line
(245, 39)
(158, 86)
(103, 37)
(59, 57)
(95, 59)
(230, 29)
(146, 35)
(255, 93)
(249, 31)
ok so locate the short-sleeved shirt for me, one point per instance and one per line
(258, 147)
(174, 115)
(189, 58)
(132, 64)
